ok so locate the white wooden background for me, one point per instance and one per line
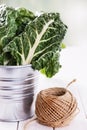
(80, 121)
(74, 66)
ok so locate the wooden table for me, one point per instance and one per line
(71, 69)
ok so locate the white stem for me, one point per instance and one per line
(37, 41)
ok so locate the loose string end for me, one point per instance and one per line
(74, 80)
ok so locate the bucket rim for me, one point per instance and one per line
(15, 66)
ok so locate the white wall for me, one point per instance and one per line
(73, 13)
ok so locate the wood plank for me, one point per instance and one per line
(76, 124)
(8, 126)
(79, 122)
(34, 125)
(74, 88)
(83, 98)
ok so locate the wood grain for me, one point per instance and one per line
(8, 126)
(33, 126)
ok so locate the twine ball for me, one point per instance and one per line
(55, 107)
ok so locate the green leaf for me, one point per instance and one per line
(52, 67)
(13, 24)
(39, 44)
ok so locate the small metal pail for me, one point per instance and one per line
(17, 86)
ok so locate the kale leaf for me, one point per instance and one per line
(30, 39)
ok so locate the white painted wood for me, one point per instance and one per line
(8, 126)
(83, 98)
(74, 88)
(34, 125)
(75, 125)
(79, 122)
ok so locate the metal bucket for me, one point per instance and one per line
(17, 87)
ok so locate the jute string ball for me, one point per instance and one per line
(55, 107)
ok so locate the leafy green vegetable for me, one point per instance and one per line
(30, 39)
(12, 23)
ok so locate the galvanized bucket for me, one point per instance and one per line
(17, 87)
